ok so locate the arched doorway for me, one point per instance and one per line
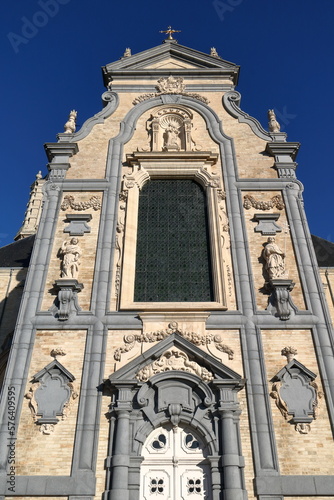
(175, 465)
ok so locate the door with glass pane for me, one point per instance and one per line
(175, 466)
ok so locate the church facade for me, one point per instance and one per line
(173, 339)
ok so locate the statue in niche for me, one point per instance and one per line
(274, 258)
(70, 252)
(171, 138)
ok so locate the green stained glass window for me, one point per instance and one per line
(173, 254)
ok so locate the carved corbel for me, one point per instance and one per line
(67, 298)
(174, 411)
(281, 298)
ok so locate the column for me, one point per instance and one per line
(120, 460)
(231, 460)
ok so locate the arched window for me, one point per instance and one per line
(173, 255)
(169, 241)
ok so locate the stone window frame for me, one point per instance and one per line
(180, 165)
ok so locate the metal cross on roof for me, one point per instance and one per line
(170, 33)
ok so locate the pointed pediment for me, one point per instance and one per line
(54, 366)
(295, 366)
(169, 56)
(176, 344)
(170, 63)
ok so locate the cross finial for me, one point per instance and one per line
(170, 33)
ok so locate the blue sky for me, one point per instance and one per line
(52, 51)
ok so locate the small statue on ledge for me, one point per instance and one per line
(70, 253)
(274, 257)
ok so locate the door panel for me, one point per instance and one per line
(174, 466)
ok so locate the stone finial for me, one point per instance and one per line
(39, 175)
(57, 352)
(127, 52)
(289, 352)
(214, 52)
(70, 125)
(274, 126)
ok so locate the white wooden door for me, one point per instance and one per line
(174, 466)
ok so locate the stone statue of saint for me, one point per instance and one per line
(70, 253)
(172, 138)
(274, 258)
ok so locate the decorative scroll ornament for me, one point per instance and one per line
(170, 85)
(296, 394)
(174, 359)
(130, 340)
(69, 202)
(275, 202)
(221, 196)
(120, 238)
(273, 124)
(51, 395)
(70, 125)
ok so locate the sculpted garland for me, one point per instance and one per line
(275, 202)
(130, 340)
(69, 202)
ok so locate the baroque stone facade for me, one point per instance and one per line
(173, 309)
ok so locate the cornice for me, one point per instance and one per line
(283, 148)
(162, 156)
(56, 150)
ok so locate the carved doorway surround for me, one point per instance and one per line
(174, 390)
